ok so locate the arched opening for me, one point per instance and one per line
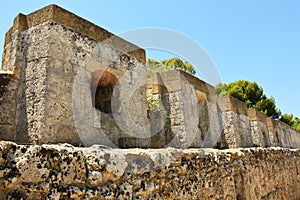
(102, 86)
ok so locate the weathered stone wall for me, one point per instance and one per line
(98, 172)
(70, 96)
(53, 55)
(180, 116)
(8, 106)
(236, 130)
(65, 79)
(244, 127)
(200, 119)
(71, 21)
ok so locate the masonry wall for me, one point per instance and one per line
(53, 64)
(248, 127)
(178, 100)
(98, 172)
(70, 96)
(8, 106)
(52, 58)
(223, 122)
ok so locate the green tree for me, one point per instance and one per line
(251, 94)
(296, 124)
(291, 120)
(169, 64)
(288, 119)
(268, 107)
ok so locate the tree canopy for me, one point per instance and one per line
(248, 92)
(169, 64)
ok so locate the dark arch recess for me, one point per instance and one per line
(102, 86)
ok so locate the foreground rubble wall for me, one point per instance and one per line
(98, 172)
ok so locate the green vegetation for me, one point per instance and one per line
(167, 65)
(156, 105)
(253, 95)
(291, 120)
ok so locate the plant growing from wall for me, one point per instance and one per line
(156, 105)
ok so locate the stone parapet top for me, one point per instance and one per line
(101, 173)
(200, 85)
(175, 80)
(76, 23)
(228, 103)
(255, 115)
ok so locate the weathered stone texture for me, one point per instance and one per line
(9, 89)
(64, 79)
(49, 66)
(244, 127)
(98, 172)
(223, 122)
(71, 21)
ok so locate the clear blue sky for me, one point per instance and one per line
(254, 40)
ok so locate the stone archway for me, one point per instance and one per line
(102, 86)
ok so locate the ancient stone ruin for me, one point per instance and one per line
(66, 80)
(60, 72)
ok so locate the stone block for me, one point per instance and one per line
(58, 111)
(227, 103)
(7, 132)
(59, 88)
(241, 107)
(244, 128)
(75, 23)
(157, 141)
(201, 96)
(260, 134)
(143, 142)
(37, 47)
(6, 55)
(8, 88)
(7, 114)
(67, 133)
(255, 115)
(230, 130)
(60, 68)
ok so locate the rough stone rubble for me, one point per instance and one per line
(99, 172)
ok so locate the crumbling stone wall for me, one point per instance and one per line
(223, 122)
(65, 79)
(53, 55)
(55, 65)
(180, 118)
(248, 127)
(98, 172)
